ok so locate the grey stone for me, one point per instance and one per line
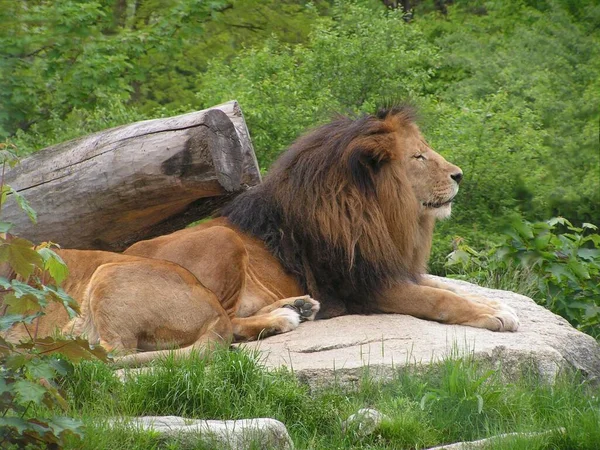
(339, 349)
(364, 422)
(485, 443)
(217, 434)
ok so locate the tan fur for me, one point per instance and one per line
(362, 196)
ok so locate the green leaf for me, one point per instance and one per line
(9, 320)
(75, 349)
(591, 311)
(24, 205)
(21, 305)
(20, 425)
(28, 391)
(523, 228)
(4, 193)
(61, 366)
(561, 272)
(5, 347)
(458, 257)
(59, 295)
(54, 264)
(579, 269)
(31, 431)
(61, 425)
(4, 386)
(541, 241)
(561, 220)
(8, 156)
(21, 289)
(589, 225)
(588, 253)
(16, 361)
(41, 368)
(5, 227)
(21, 256)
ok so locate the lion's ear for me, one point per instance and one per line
(376, 149)
(367, 156)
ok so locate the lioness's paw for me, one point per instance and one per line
(306, 306)
(285, 320)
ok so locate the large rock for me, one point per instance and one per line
(338, 349)
(222, 434)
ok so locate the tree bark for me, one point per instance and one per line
(113, 188)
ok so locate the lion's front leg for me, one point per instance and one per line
(470, 296)
(435, 303)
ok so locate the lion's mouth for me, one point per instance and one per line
(437, 205)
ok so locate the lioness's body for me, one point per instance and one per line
(346, 215)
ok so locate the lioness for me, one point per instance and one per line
(345, 215)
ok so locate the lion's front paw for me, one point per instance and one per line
(285, 320)
(306, 307)
(508, 317)
(501, 320)
(494, 315)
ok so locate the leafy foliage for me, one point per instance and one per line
(516, 90)
(30, 282)
(565, 267)
(82, 54)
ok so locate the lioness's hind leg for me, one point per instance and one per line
(148, 304)
(202, 347)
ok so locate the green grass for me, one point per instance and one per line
(458, 399)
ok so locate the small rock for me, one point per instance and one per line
(218, 434)
(364, 422)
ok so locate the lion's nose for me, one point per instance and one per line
(457, 176)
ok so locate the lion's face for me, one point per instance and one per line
(434, 180)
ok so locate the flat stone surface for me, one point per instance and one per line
(222, 434)
(337, 349)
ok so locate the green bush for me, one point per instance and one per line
(352, 62)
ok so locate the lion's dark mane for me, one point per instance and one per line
(313, 209)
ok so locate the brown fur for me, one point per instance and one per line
(346, 216)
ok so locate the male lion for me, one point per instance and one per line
(345, 215)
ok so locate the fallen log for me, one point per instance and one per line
(115, 187)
